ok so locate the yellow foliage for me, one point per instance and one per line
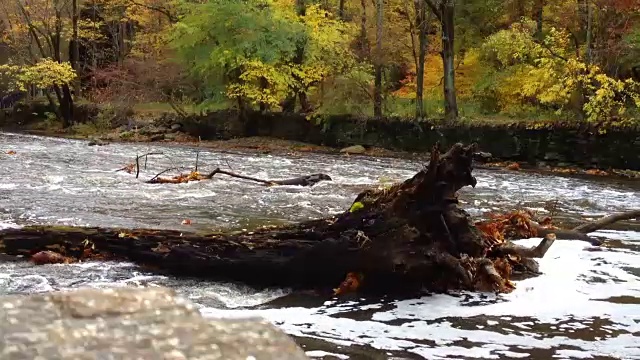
(467, 72)
(43, 74)
(550, 74)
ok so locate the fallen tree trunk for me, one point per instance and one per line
(408, 237)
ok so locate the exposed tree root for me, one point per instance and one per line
(509, 248)
(406, 238)
(607, 220)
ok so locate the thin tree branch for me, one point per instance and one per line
(434, 9)
(171, 17)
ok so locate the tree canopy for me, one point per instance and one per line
(425, 58)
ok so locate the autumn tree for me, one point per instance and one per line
(253, 48)
(550, 72)
(38, 32)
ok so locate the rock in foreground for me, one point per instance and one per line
(130, 323)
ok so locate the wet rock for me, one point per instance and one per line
(131, 323)
(551, 156)
(175, 127)
(153, 130)
(126, 135)
(170, 136)
(355, 149)
(48, 257)
(482, 156)
(157, 137)
(98, 142)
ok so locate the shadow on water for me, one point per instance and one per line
(586, 303)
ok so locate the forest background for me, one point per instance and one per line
(451, 60)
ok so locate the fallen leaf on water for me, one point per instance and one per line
(350, 284)
(11, 152)
(513, 166)
(186, 222)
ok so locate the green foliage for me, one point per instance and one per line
(356, 206)
(238, 41)
(251, 47)
(348, 93)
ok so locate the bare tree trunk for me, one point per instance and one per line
(422, 24)
(588, 55)
(448, 32)
(539, 7)
(289, 104)
(341, 10)
(264, 84)
(377, 95)
(75, 50)
(364, 41)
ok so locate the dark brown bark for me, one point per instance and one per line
(448, 54)
(538, 15)
(377, 92)
(264, 84)
(422, 24)
(75, 46)
(444, 11)
(289, 104)
(363, 39)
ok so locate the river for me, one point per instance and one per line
(585, 305)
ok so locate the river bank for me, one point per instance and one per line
(560, 148)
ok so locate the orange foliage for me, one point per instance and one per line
(596, 172)
(515, 225)
(182, 178)
(129, 168)
(513, 166)
(350, 284)
(467, 73)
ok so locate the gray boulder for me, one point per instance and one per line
(98, 142)
(130, 323)
(355, 149)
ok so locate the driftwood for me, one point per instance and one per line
(195, 175)
(129, 168)
(408, 237)
(308, 180)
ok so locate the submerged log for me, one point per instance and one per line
(408, 237)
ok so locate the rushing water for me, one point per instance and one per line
(585, 305)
